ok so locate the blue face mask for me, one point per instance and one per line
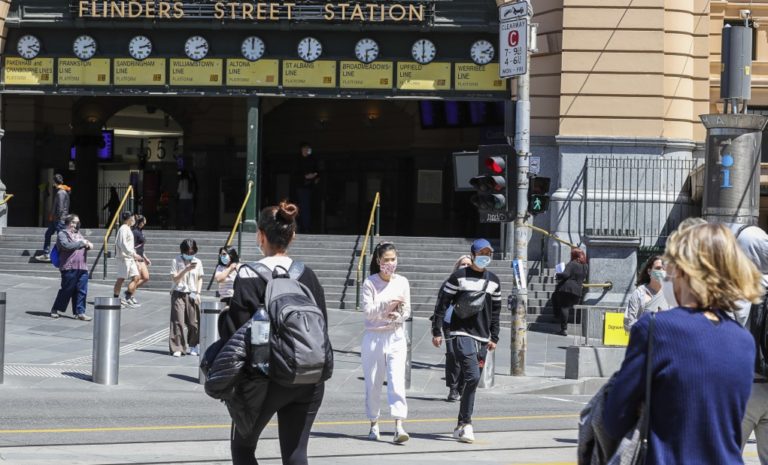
(187, 257)
(482, 261)
(224, 259)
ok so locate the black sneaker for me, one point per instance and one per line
(453, 395)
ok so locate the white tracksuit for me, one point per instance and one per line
(384, 348)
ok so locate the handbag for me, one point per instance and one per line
(470, 303)
(633, 448)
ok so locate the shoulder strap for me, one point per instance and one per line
(485, 277)
(296, 269)
(261, 270)
(648, 383)
(741, 229)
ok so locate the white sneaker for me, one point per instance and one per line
(400, 435)
(194, 350)
(177, 354)
(135, 302)
(126, 303)
(464, 433)
(373, 434)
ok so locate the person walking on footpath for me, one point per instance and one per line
(453, 380)
(73, 256)
(701, 360)
(306, 179)
(570, 286)
(59, 209)
(386, 304)
(187, 275)
(226, 272)
(648, 296)
(112, 205)
(475, 294)
(126, 259)
(138, 244)
(256, 399)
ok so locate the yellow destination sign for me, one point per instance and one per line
(21, 72)
(197, 73)
(356, 75)
(262, 73)
(469, 76)
(76, 72)
(297, 73)
(614, 333)
(413, 76)
(130, 72)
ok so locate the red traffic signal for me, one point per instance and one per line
(497, 165)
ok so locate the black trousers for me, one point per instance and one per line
(466, 351)
(453, 379)
(563, 302)
(296, 409)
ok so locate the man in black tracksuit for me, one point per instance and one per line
(473, 336)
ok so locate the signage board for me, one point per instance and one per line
(534, 165)
(513, 48)
(76, 72)
(469, 76)
(356, 75)
(318, 74)
(186, 72)
(244, 73)
(414, 76)
(130, 72)
(511, 11)
(21, 72)
(614, 333)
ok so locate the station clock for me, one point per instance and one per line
(423, 51)
(252, 48)
(84, 47)
(28, 46)
(310, 49)
(196, 48)
(482, 52)
(367, 50)
(140, 47)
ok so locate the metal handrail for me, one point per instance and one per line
(608, 285)
(374, 219)
(128, 192)
(552, 236)
(6, 199)
(236, 227)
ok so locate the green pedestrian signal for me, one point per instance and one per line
(538, 195)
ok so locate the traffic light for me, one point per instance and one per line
(492, 197)
(538, 195)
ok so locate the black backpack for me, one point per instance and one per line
(300, 349)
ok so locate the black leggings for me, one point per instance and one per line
(296, 409)
(563, 303)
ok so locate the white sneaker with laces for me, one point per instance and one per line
(400, 435)
(464, 433)
(126, 303)
(194, 350)
(135, 302)
(373, 434)
(177, 354)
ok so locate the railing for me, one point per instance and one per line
(237, 227)
(552, 236)
(103, 253)
(373, 220)
(6, 199)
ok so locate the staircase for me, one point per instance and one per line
(425, 261)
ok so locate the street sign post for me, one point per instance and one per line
(513, 48)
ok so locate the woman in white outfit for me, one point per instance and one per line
(387, 304)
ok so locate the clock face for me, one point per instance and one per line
(252, 48)
(423, 51)
(28, 46)
(196, 47)
(140, 47)
(367, 50)
(482, 52)
(310, 49)
(84, 47)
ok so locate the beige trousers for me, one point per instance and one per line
(185, 314)
(756, 419)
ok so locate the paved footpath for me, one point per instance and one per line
(51, 413)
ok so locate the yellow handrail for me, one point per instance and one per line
(128, 192)
(6, 199)
(363, 251)
(239, 215)
(552, 236)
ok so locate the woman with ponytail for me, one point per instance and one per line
(387, 304)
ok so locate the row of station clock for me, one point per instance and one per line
(309, 49)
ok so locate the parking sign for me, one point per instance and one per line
(513, 48)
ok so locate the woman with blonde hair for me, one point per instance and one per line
(701, 361)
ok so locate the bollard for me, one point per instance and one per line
(408, 326)
(209, 331)
(2, 336)
(488, 373)
(106, 341)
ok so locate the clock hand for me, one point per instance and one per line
(89, 46)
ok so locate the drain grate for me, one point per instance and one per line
(42, 372)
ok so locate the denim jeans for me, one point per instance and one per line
(74, 287)
(53, 228)
(466, 350)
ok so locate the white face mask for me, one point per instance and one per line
(668, 289)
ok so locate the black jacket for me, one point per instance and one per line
(484, 325)
(572, 278)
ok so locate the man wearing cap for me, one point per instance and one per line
(59, 209)
(475, 333)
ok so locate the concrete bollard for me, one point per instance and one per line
(106, 341)
(209, 331)
(2, 336)
(488, 373)
(408, 326)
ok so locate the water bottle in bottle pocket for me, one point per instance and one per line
(260, 327)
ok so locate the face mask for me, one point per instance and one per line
(658, 275)
(187, 257)
(76, 227)
(224, 259)
(668, 289)
(388, 268)
(482, 261)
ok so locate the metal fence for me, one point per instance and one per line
(644, 197)
(104, 195)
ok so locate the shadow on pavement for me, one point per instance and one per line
(191, 379)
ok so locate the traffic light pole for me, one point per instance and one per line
(522, 144)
